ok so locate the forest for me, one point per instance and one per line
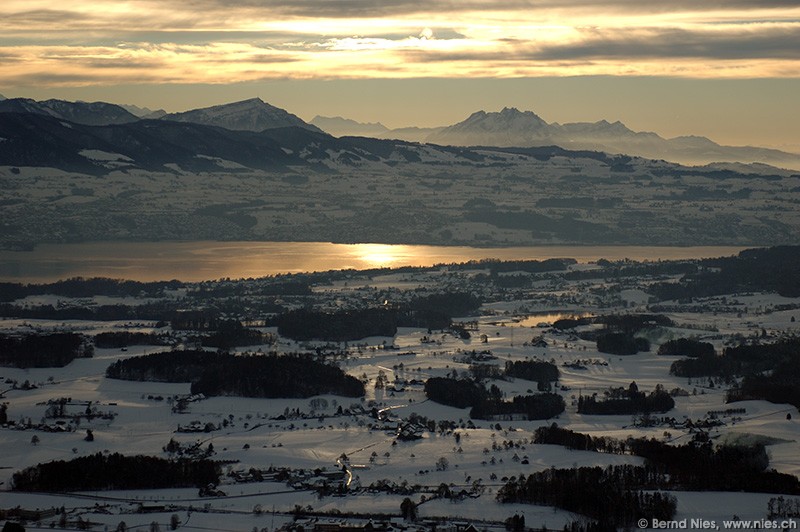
(81, 287)
(115, 472)
(336, 326)
(463, 393)
(775, 269)
(696, 466)
(54, 350)
(434, 311)
(532, 370)
(231, 333)
(538, 406)
(460, 393)
(686, 347)
(621, 401)
(297, 375)
(620, 343)
(614, 496)
(781, 385)
(276, 376)
(118, 339)
(742, 360)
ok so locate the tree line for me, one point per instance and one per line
(159, 311)
(686, 347)
(459, 393)
(775, 269)
(618, 337)
(42, 350)
(81, 287)
(620, 343)
(537, 406)
(782, 385)
(613, 495)
(618, 495)
(463, 393)
(292, 375)
(625, 323)
(743, 360)
(695, 466)
(621, 401)
(337, 326)
(533, 370)
(115, 472)
(434, 311)
(231, 333)
(117, 339)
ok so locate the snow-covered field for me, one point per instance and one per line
(263, 433)
(441, 198)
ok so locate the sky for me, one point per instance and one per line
(727, 69)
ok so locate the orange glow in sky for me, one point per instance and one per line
(88, 49)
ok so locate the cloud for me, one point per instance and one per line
(38, 17)
(348, 9)
(210, 41)
(766, 41)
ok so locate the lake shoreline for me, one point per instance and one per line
(24, 247)
(207, 260)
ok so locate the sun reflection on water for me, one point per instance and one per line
(204, 260)
(383, 255)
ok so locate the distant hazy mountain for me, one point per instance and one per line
(507, 128)
(35, 139)
(511, 127)
(88, 113)
(247, 115)
(345, 127)
(411, 134)
(2, 97)
(143, 112)
(155, 115)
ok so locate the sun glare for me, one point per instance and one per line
(380, 255)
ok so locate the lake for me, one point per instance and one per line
(205, 260)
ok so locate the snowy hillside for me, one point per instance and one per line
(178, 181)
(89, 113)
(249, 115)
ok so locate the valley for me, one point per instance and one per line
(318, 460)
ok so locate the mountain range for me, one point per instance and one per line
(345, 127)
(47, 139)
(67, 179)
(511, 127)
(38, 140)
(248, 115)
(143, 112)
(94, 113)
